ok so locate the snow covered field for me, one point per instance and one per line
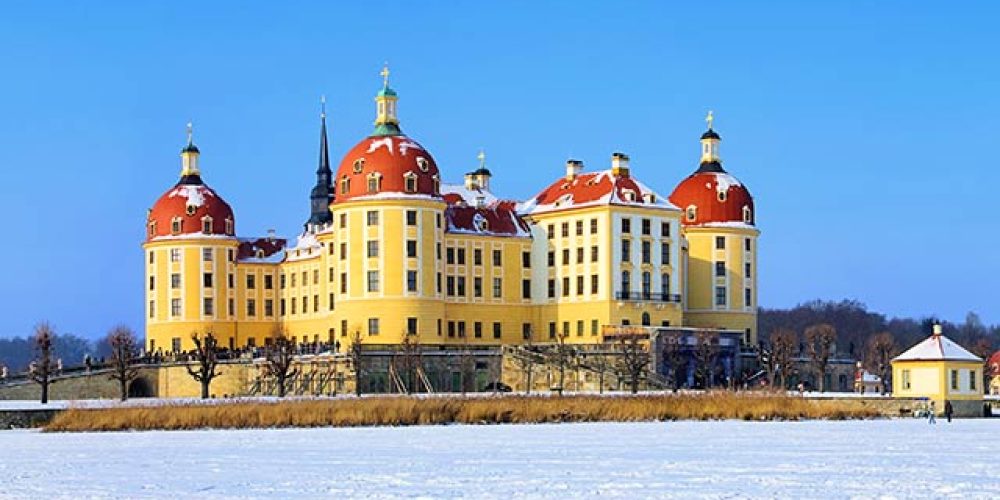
(895, 458)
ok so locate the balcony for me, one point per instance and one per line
(648, 297)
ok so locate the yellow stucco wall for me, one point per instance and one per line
(933, 379)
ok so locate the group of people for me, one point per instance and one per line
(948, 411)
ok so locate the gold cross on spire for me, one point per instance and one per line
(482, 158)
(710, 119)
(385, 74)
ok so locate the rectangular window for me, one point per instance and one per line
(438, 283)
(477, 287)
(954, 380)
(411, 326)
(294, 305)
(343, 221)
(565, 286)
(305, 304)
(411, 281)
(664, 254)
(330, 274)
(972, 380)
(579, 228)
(565, 229)
(593, 226)
(175, 280)
(747, 296)
(206, 254)
(526, 331)
(746, 244)
(411, 217)
(251, 282)
(579, 255)
(646, 227)
(526, 260)
(343, 282)
(451, 329)
(497, 330)
(646, 252)
(461, 329)
(593, 284)
(331, 302)
(343, 328)
(373, 248)
(251, 307)
(343, 251)
(551, 233)
(372, 281)
(565, 256)
(460, 256)
(372, 218)
(720, 295)
(665, 229)
(208, 306)
(151, 256)
(626, 225)
(497, 258)
(449, 254)
(152, 282)
(720, 269)
(565, 329)
(175, 344)
(450, 286)
(175, 307)
(293, 279)
(579, 285)
(437, 247)
(720, 242)
(552, 258)
(526, 289)
(268, 281)
(152, 308)
(477, 330)
(281, 281)
(372, 326)
(268, 307)
(593, 328)
(552, 329)
(411, 248)
(460, 286)
(906, 379)
(746, 270)
(206, 280)
(477, 257)
(315, 303)
(175, 255)
(281, 307)
(626, 250)
(593, 253)
(579, 328)
(552, 288)
(497, 287)
(315, 277)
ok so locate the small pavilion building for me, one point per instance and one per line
(941, 370)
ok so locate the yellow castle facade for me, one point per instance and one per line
(391, 251)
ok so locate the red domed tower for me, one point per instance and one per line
(190, 249)
(719, 225)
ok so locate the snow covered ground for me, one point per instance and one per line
(894, 458)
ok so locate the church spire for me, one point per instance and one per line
(190, 172)
(386, 122)
(322, 193)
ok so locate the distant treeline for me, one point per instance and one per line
(16, 353)
(856, 325)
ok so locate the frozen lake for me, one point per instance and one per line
(896, 458)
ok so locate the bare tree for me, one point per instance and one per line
(820, 341)
(357, 357)
(983, 348)
(466, 367)
(673, 354)
(526, 362)
(634, 359)
(881, 349)
(412, 363)
(783, 344)
(206, 348)
(44, 366)
(563, 356)
(601, 364)
(706, 353)
(279, 358)
(124, 350)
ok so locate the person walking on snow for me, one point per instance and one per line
(930, 415)
(948, 410)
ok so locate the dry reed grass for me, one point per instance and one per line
(401, 410)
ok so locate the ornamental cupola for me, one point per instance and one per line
(386, 122)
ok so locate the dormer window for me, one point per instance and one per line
(411, 182)
(152, 229)
(437, 184)
(176, 224)
(260, 254)
(345, 185)
(359, 165)
(628, 194)
(747, 214)
(190, 209)
(691, 213)
(649, 198)
(229, 226)
(423, 164)
(374, 182)
(480, 222)
(206, 225)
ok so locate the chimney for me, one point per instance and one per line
(573, 168)
(619, 164)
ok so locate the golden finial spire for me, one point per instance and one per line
(482, 158)
(709, 119)
(385, 74)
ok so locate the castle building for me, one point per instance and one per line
(391, 251)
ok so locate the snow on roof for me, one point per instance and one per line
(594, 189)
(266, 250)
(306, 246)
(937, 348)
(194, 193)
(498, 219)
(466, 195)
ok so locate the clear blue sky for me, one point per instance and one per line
(865, 130)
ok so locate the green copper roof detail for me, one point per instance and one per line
(387, 129)
(386, 92)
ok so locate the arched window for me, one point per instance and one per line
(691, 213)
(152, 229)
(374, 182)
(176, 225)
(345, 185)
(626, 282)
(437, 184)
(206, 225)
(229, 226)
(411, 182)
(645, 319)
(647, 285)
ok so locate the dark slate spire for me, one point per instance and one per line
(322, 192)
